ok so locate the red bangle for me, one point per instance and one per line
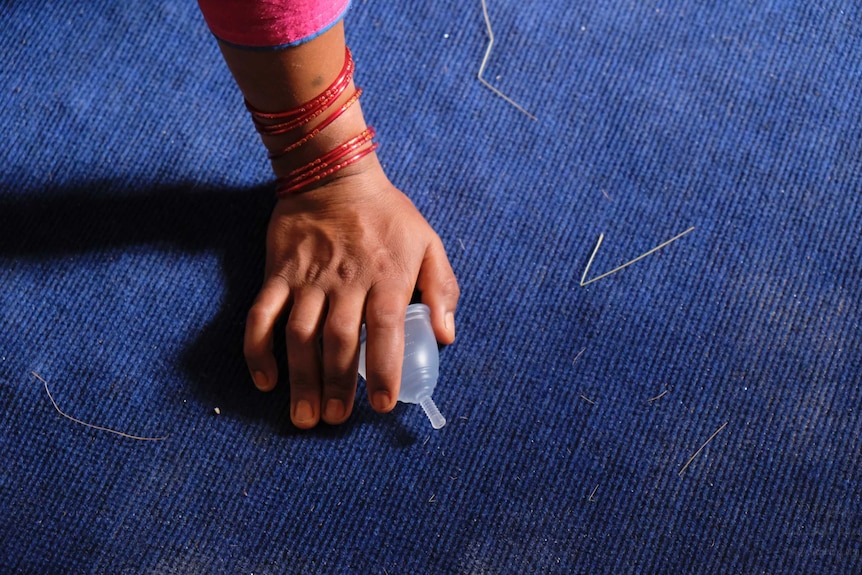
(334, 154)
(330, 162)
(304, 113)
(288, 189)
(319, 128)
(326, 165)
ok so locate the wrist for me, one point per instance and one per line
(348, 125)
(314, 140)
(306, 108)
(358, 187)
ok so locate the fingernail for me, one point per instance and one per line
(449, 323)
(303, 413)
(334, 410)
(380, 401)
(260, 380)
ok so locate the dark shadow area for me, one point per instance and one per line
(102, 215)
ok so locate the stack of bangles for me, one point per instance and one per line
(280, 123)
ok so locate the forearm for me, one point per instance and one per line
(343, 245)
(278, 80)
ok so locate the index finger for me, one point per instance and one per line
(385, 308)
(257, 344)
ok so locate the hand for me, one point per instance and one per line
(350, 250)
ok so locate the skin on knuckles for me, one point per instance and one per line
(258, 340)
(349, 248)
(384, 347)
(303, 357)
(341, 355)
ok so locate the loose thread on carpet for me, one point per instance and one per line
(587, 399)
(485, 63)
(657, 397)
(90, 425)
(580, 353)
(585, 282)
(696, 453)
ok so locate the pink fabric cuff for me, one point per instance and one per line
(270, 23)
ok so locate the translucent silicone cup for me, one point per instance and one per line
(421, 362)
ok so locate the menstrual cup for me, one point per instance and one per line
(421, 362)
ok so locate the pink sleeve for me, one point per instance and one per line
(270, 23)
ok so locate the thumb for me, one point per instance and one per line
(440, 290)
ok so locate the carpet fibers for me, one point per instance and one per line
(696, 412)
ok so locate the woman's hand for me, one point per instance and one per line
(349, 251)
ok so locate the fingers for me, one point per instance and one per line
(384, 345)
(303, 356)
(323, 377)
(341, 355)
(440, 291)
(257, 345)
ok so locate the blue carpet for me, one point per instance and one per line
(133, 198)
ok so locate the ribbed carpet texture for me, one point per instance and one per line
(696, 412)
